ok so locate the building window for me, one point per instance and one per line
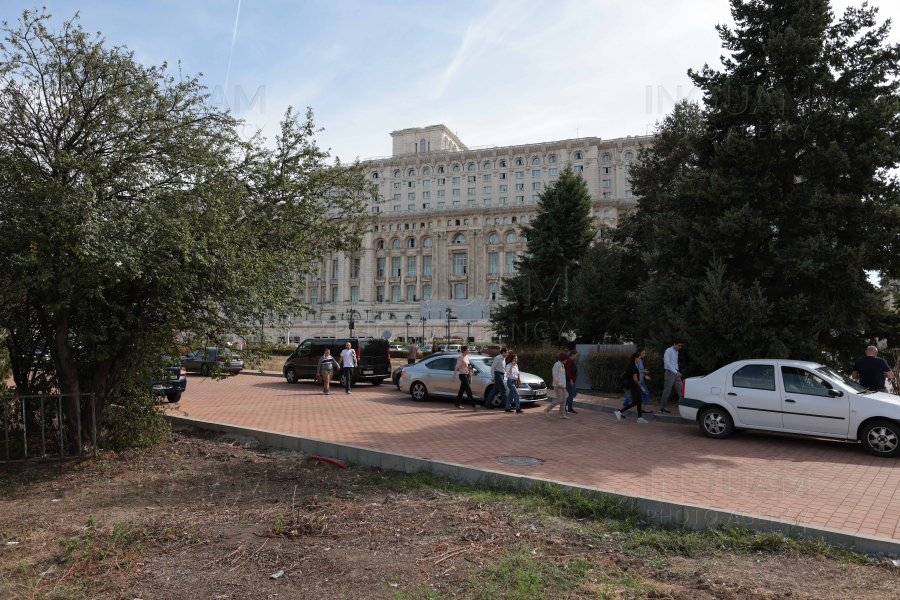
(511, 237)
(410, 293)
(494, 239)
(441, 193)
(470, 179)
(607, 183)
(412, 184)
(379, 293)
(427, 183)
(456, 180)
(459, 239)
(578, 156)
(334, 294)
(375, 175)
(486, 178)
(397, 196)
(488, 165)
(510, 262)
(487, 189)
(456, 168)
(536, 185)
(456, 203)
(410, 266)
(535, 161)
(504, 188)
(536, 173)
(535, 198)
(520, 198)
(426, 292)
(426, 206)
(354, 293)
(597, 214)
(426, 171)
(578, 169)
(395, 244)
(493, 262)
(629, 155)
(397, 185)
(456, 192)
(398, 174)
(375, 209)
(426, 266)
(606, 170)
(494, 291)
(313, 293)
(607, 194)
(459, 264)
(411, 242)
(503, 175)
(629, 194)
(520, 186)
(627, 182)
(395, 293)
(519, 162)
(605, 214)
(396, 208)
(441, 181)
(379, 271)
(440, 169)
(470, 190)
(356, 268)
(487, 201)
(552, 159)
(427, 241)
(472, 202)
(395, 266)
(520, 174)
(471, 167)
(459, 291)
(430, 224)
(422, 145)
(502, 200)
(505, 220)
(627, 168)
(606, 158)
(335, 269)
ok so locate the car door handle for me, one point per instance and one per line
(732, 394)
(789, 400)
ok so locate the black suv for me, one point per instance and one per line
(373, 358)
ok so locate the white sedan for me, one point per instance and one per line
(794, 397)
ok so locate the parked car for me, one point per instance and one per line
(454, 348)
(372, 354)
(204, 360)
(398, 372)
(172, 383)
(793, 397)
(493, 349)
(397, 348)
(432, 377)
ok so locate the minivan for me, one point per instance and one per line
(372, 355)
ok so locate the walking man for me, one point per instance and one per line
(465, 369)
(413, 354)
(325, 371)
(559, 386)
(348, 358)
(634, 386)
(498, 372)
(645, 391)
(571, 376)
(871, 371)
(672, 376)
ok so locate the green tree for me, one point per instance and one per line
(538, 299)
(603, 294)
(134, 216)
(780, 196)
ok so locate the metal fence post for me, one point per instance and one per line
(25, 427)
(43, 431)
(61, 443)
(94, 421)
(78, 413)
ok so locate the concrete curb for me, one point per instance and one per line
(630, 413)
(654, 510)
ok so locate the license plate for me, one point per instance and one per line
(540, 393)
(368, 372)
(160, 387)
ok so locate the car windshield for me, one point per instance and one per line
(841, 378)
(482, 364)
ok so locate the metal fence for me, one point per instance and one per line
(24, 415)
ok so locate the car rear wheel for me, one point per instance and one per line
(377, 381)
(204, 370)
(344, 377)
(716, 423)
(290, 375)
(497, 400)
(173, 397)
(881, 437)
(419, 391)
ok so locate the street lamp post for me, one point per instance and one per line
(350, 315)
(407, 331)
(423, 328)
(468, 330)
(449, 312)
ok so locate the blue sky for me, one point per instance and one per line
(499, 72)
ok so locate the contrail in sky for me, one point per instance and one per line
(233, 36)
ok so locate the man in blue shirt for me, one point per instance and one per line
(672, 376)
(498, 372)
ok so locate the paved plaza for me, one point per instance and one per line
(810, 481)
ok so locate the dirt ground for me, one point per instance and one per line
(207, 516)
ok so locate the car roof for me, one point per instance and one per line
(783, 362)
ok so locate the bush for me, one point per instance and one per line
(133, 421)
(538, 360)
(603, 369)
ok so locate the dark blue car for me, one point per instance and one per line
(173, 385)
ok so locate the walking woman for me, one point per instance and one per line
(512, 382)
(632, 373)
(465, 369)
(559, 386)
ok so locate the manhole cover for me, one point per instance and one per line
(522, 461)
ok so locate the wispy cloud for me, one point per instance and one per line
(233, 37)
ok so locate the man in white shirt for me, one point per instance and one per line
(672, 376)
(348, 361)
(498, 372)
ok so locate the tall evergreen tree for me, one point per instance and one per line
(538, 298)
(760, 243)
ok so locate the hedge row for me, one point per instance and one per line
(603, 370)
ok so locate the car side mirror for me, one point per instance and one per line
(836, 393)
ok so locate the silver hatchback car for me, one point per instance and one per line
(432, 377)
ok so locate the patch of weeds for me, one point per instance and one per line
(25, 581)
(522, 575)
(95, 551)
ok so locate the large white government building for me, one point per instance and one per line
(445, 231)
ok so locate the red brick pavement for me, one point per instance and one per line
(811, 481)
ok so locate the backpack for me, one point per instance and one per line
(623, 380)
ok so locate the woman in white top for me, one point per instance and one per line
(512, 381)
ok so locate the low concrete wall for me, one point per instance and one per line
(651, 509)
